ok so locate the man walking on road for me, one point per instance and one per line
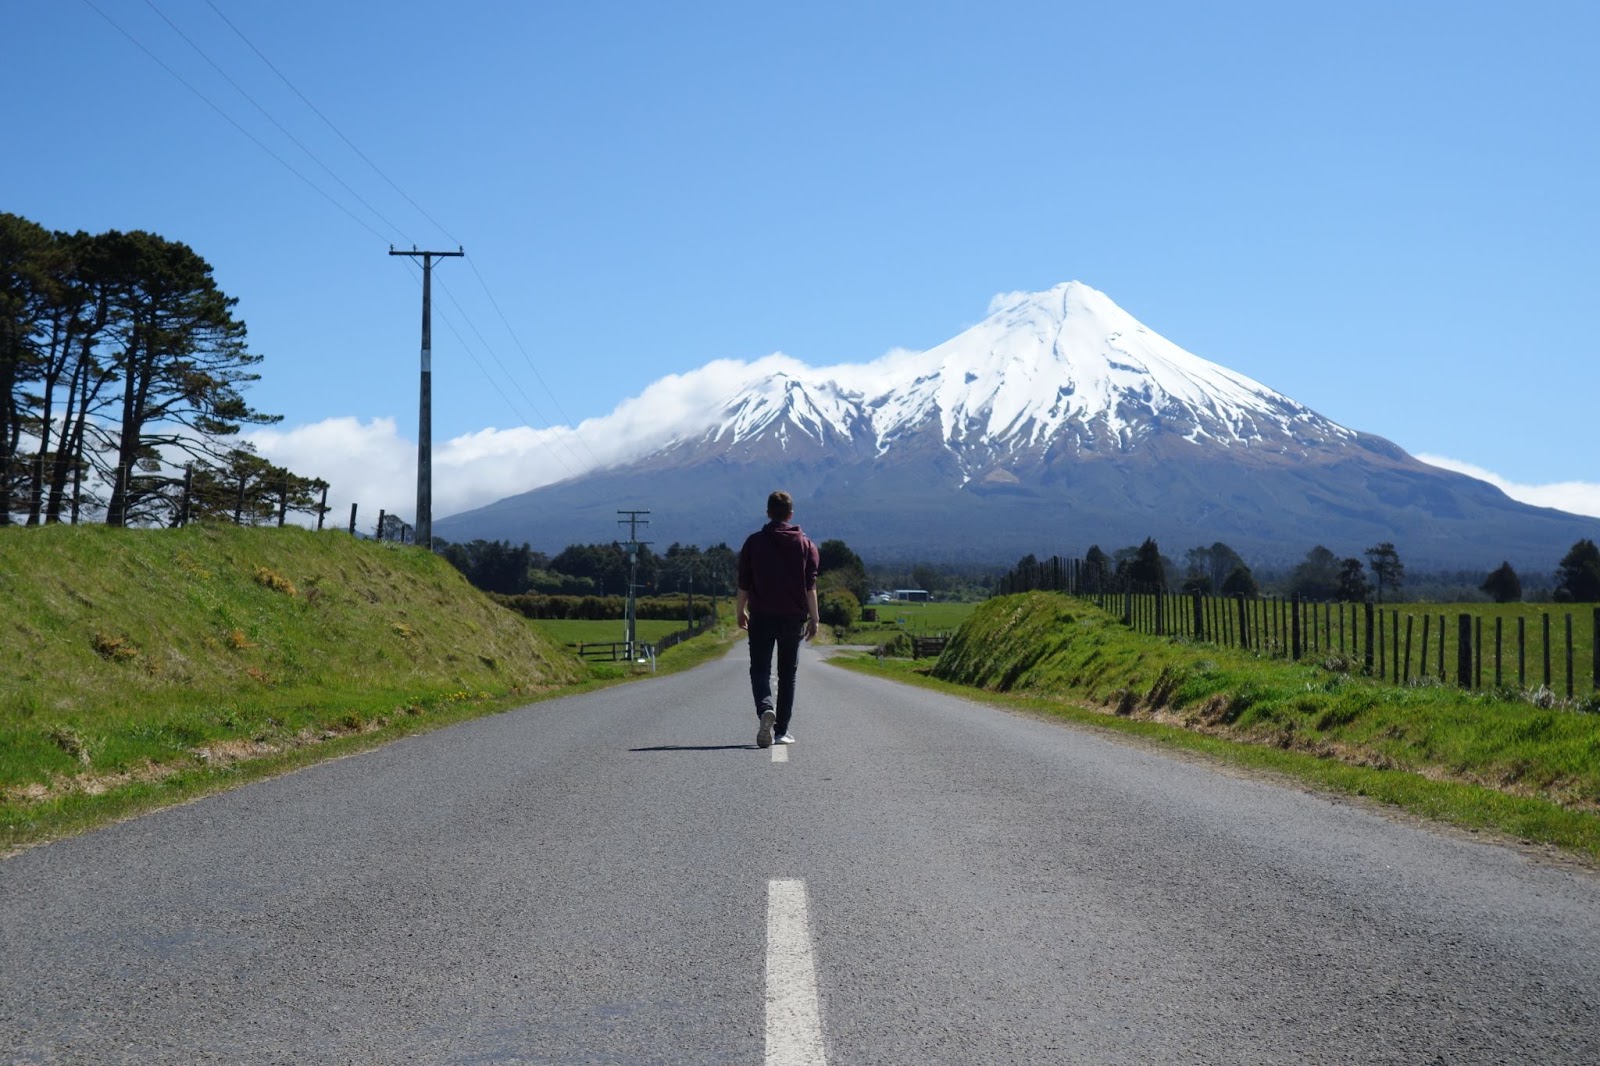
(777, 605)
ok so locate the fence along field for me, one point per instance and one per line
(1554, 651)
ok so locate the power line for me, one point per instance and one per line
(467, 318)
(232, 122)
(487, 347)
(314, 109)
(466, 347)
(470, 262)
(268, 116)
(529, 360)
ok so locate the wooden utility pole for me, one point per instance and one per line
(425, 416)
(633, 522)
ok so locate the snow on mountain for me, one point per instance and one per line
(1057, 422)
(817, 409)
(1067, 365)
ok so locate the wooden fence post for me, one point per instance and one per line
(322, 508)
(1383, 648)
(1522, 652)
(1406, 669)
(1594, 659)
(381, 513)
(352, 519)
(1464, 650)
(1199, 617)
(1477, 652)
(1569, 654)
(1294, 625)
(1498, 631)
(1545, 619)
(1422, 661)
(1394, 641)
(1367, 658)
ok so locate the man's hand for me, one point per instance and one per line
(811, 628)
(744, 619)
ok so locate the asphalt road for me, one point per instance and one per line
(622, 877)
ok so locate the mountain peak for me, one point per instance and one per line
(1065, 367)
(1058, 416)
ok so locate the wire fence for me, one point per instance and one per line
(1551, 650)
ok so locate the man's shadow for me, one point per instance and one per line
(697, 747)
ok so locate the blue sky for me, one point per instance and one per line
(1384, 210)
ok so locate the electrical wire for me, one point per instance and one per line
(422, 211)
(520, 415)
(529, 360)
(232, 122)
(268, 116)
(316, 111)
(483, 283)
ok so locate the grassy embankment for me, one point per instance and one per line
(1472, 759)
(142, 667)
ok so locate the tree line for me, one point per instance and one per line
(1322, 576)
(123, 369)
(601, 570)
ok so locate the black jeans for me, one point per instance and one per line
(768, 631)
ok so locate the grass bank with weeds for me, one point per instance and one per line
(139, 667)
(1481, 760)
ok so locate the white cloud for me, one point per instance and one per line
(368, 462)
(1574, 497)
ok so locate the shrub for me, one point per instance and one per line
(839, 607)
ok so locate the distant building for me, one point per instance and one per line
(911, 595)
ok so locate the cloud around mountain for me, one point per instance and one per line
(1039, 365)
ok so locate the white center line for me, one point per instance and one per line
(794, 1019)
(780, 753)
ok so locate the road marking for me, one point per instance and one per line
(794, 1020)
(780, 753)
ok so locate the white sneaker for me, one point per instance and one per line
(783, 739)
(764, 734)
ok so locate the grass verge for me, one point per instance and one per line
(139, 668)
(1472, 760)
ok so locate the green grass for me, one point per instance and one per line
(925, 618)
(141, 666)
(1475, 759)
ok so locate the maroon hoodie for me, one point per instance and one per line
(777, 567)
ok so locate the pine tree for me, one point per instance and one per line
(1579, 573)
(1241, 582)
(1353, 587)
(1503, 585)
(1386, 567)
(1145, 570)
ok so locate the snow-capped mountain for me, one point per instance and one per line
(1056, 422)
(1049, 373)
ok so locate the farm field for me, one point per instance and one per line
(919, 617)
